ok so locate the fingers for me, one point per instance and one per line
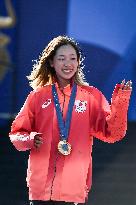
(127, 85)
(122, 84)
(38, 141)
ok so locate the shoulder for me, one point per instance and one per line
(39, 92)
(97, 95)
(92, 90)
(43, 89)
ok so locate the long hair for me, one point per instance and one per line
(43, 73)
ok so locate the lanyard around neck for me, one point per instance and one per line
(64, 126)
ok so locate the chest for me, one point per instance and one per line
(45, 107)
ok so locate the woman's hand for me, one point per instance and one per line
(38, 140)
(126, 85)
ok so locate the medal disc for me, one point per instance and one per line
(64, 147)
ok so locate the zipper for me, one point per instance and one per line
(57, 153)
(54, 174)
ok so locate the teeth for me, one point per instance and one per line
(67, 71)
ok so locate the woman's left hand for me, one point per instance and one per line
(126, 85)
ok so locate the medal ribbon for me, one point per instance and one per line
(64, 126)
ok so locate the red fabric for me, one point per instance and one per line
(51, 175)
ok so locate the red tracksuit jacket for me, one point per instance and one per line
(51, 175)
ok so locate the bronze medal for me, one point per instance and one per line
(64, 147)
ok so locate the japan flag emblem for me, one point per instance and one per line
(80, 106)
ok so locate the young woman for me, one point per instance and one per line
(58, 122)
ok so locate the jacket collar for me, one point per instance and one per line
(66, 90)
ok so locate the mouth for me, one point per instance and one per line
(67, 70)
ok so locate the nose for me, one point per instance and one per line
(67, 63)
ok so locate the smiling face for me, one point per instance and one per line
(65, 63)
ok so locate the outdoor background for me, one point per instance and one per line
(106, 31)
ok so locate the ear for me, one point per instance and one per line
(51, 63)
(78, 62)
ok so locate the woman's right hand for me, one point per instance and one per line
(38, 141)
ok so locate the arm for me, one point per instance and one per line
(110, 121)
(22, 130)
(10, 20)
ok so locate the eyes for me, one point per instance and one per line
(63, 59)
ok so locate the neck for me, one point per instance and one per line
(64, 83)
